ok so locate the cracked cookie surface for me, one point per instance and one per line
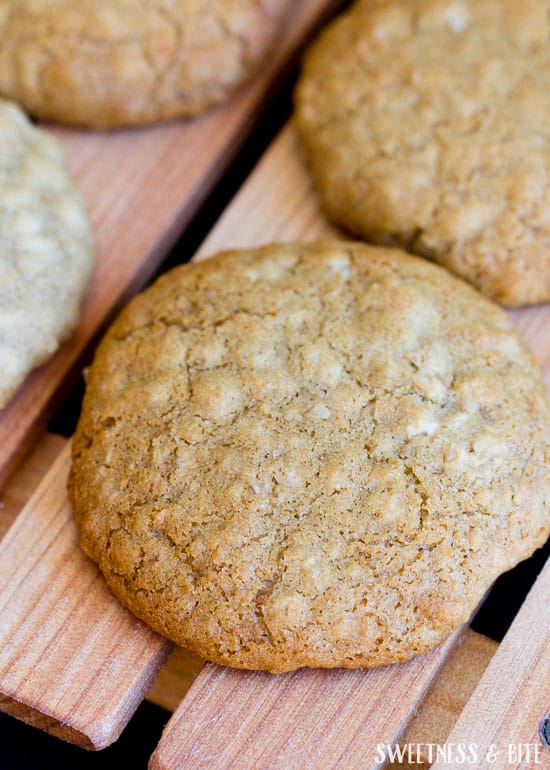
(423, 123)
(310, 455)
(45, 248)
(106, 63)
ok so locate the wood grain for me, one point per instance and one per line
(433, 721)
(514, 692)
(277, 203)
(73, 661)
(142, 187)
(311, 718)
(26, 477)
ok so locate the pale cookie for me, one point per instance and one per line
(104, 63)
(423, 122)
(45, 249)
(310, 455)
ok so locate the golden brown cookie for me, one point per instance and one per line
(310, 455)
(45, 248)
(423, 123)
(104, 63)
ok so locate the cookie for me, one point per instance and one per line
(422, 123)
(310, 455)
(106, 63)
(45, 248)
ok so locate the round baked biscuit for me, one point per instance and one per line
(107, 63)
(423, 124)
(45, 248)
(310, 455)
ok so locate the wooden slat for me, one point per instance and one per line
(73, 661)
(25, 479)
(142, 187)
(514, 692)
(233, 719)
(449, 693)
(534, 324)
(259, 721)
(438, 712)
(441, 707)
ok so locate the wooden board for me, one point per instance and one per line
(142, 187)
(513, 695)
(211, 727)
